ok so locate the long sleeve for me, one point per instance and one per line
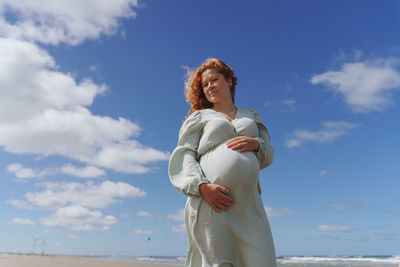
(184, 170)
(265, 154)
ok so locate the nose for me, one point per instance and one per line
(210, 84)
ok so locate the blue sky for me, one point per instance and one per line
(91, 101)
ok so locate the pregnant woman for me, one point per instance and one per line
(220, 151)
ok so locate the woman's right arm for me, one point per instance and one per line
(184, 170)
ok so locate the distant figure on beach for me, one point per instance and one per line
(220, 152)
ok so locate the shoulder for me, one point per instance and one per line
(195, 116)
(201, 115)
(252, 112)
(191, 123)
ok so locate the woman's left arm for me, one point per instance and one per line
(260, 144)
(265, 153)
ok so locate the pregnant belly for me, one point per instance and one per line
(238, 171)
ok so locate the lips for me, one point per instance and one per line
(211, 93)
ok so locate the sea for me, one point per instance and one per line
(283, 261)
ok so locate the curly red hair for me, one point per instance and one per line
(194, 89)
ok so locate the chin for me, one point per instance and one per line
(213, 100)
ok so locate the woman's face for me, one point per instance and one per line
(215, 87)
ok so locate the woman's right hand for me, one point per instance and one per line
(216, 196)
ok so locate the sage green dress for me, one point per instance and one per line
(240, 236)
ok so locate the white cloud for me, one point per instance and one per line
(338, 206)
(330, 131)
(86, 172)
(91, 195)
(93, 68)
(46, 113)
(343, 56)
(48, 231)
(284, 106)
(43, 87)
(271, 212)
(22, 221)
(21, 204)
(22, 172)
(334, 228)
(288, 105)
(71, 236)
(180, 229)
(141, 232)
(293, 143)
(126, 156)
(365, 86)
(79, 218)
(323, 172)
(71, 22)
(179, 216)
(145, 214)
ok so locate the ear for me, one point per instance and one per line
(230, 82)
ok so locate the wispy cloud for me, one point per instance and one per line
(85, 172)
(79, 218)
(141, 232)
(22, 221)
(144, 214)
(331, 130)
(346, 56)
(271, 212)
(90, 195)
(93, 68)
(179, 216)
(284, 106)
(23, 173)
(20, 204)
(180, 229)
(334, 228)
(366, 85)
(338, 206)
(323, 172)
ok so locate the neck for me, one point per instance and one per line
(225, 106)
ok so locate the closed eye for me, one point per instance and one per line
(213, 80)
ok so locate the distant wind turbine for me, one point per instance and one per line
(35, 239)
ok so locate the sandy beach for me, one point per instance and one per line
(64, 261)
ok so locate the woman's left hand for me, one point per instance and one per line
(243, 143)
